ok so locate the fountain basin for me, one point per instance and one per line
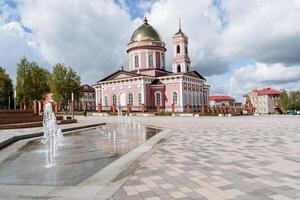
(80, 155)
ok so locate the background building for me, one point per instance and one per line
(217, 100)
(264, 101)
(86, 99)
(147, 85)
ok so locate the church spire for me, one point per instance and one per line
(145, 20)
(179, 24)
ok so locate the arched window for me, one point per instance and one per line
(178, 68)
(114, 99)
(157, 98)
(186, 50)
(163, 59)
(150, 60)
(130, 99)
(105, 101)
(175, 98)
(178, 49)
(201, 99)
(136, 61)
(140, 99)
(186, 99)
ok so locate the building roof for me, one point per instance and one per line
(145, 33)
(87, 88)
(218, 97)
(264, 91)
(132, 74)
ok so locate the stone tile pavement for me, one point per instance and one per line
(255, 157)
(215, 158)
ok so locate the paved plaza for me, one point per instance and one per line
(249, 157)
(255, 158)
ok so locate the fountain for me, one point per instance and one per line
(52, 134)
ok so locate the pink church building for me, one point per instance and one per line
(147, 85)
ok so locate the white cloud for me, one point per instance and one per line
(263, 30)
(259, 75)
(90, 36)
(14, 44)
(200, 23)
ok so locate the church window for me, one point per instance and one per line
(157, 98)
(114, 100)
(178, 68)
(105, 101)
(175, 98)
(130, 99)
(163, 60)
(140, 99)
(150, 60)
(136, 61)
(178, 49)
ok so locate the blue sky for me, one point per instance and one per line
(236, 45)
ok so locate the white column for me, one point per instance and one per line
(181, 93)
(147, 59)
(143, 92)
(102, 96)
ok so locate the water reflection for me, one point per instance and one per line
(79, 155)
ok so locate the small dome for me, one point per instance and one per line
(145, 33)
(180, 33)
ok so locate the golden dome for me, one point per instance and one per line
(145, 33)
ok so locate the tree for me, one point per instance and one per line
(23, 85)
(38, 81)
(294, 102)
(6, 89)
(32, 81)
(63, 81)
(284, 101)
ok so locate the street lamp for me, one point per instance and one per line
(72, 95)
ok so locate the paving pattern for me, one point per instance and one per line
(255, 158)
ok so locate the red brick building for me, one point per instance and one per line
(86, 99)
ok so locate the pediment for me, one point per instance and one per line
(119, 75)
(195, 74)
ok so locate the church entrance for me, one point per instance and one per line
(122, 99)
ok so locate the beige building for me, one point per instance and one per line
(86, 100)
(265, 101)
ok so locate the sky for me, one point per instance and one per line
(236, 45)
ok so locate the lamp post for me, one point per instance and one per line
(72, 105)
(15, 99)
(9, 101)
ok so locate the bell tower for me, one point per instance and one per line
(181, 61)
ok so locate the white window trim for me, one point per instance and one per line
(155, 102)
(177, 97)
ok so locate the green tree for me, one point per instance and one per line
(6, 89)
(32, 81)
(63, 81)
(22, 83)
(38, 81)
(294, 100)
(284, 101)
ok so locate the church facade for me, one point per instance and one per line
(147, 85)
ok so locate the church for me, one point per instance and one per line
(147, 85)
